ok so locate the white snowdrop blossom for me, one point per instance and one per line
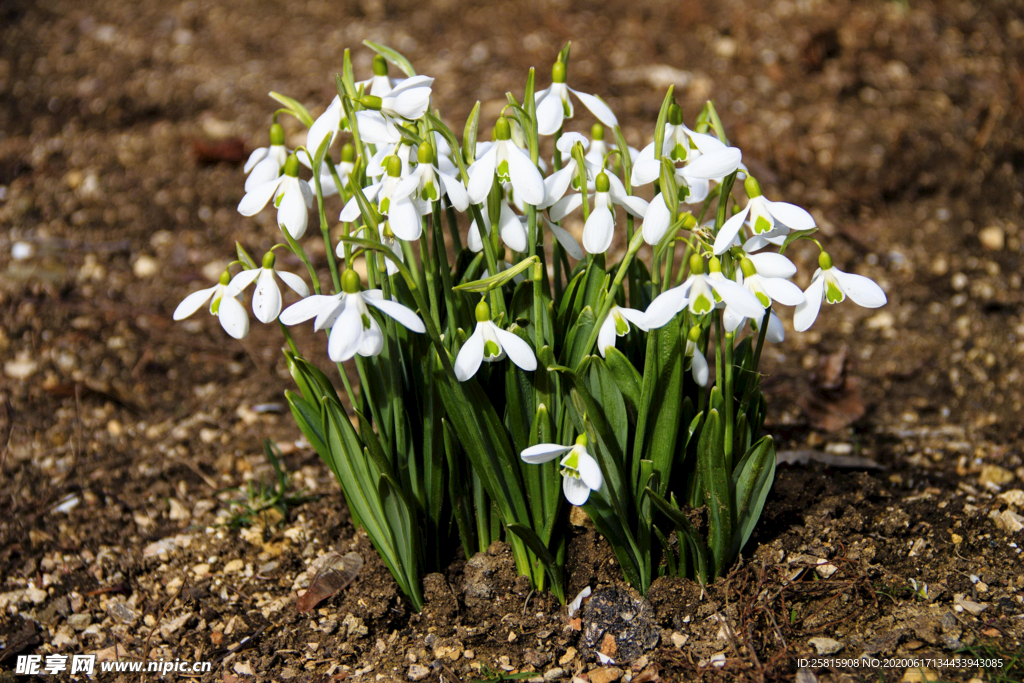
(617, 325)
(433, 182)
(266, 298)
(556, 184)
(394, 195)
(580, 472)
(353, 329)
(379, 85)
(553, 105)
(228, 309)
(766, 276)
(265, 163)
(292, 197)
(510, 163)
(326, 125)
(833, 285)
(599, 149)
(600, 226)
(701, 293)
(696, 363)
(769, 221)
(510, 227)
(408, 100)
(491, 343)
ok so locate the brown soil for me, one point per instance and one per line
(121, 127)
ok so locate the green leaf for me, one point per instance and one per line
(469, 134)
(609, 398)
(625, 375)
(563, 54)
(551, 566)
(794, 236)
(666, 402)
(717, 496)
(659, 128)
(752, 481)
(624, 156)
(669, 186)
(244, 257)
(347, 79)
(300, 112)
(576, 341)
(392, 56)
(684, 530)
(308, 420)
(505, 276)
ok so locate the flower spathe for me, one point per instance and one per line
(580, 472)
(554, 106)
(228, 309)
(292, 197)
(833, 285)
(491, 343)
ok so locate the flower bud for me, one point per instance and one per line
(394, 166)
(483, 311)
(747, 266)
(380, 66)
(696, 264)
(694, 334)
(350, 282)
(689, 220)
(348, 152)
(502, 129)
(558, 72)
(268, 260)
(602, 184)
(371, 102)
(424, 154)
(752, 187)
(276, 135)
(291, 166)
(824, 260)
(597, 132)
(675, 114)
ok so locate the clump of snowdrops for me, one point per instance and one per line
(506, 371)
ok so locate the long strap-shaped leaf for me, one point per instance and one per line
(716, 485)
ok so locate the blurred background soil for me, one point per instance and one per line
(123, 127)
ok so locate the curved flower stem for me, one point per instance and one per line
(288, 338)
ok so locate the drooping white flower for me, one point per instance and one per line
(511, 164)
(326, 125)
(394, 195)
(266, 299)
(553, 105)
(408, 100)
(580, 472)
(291, 195)
(600, 226)
(491, 343)
(556, 184)
(617, 325)
(696, 363)
(769, 222)
(379, 85)
(265, 163)
(701, 293)
(353, 329)
(599, 149)
(833, 285)
(766, 276)
(510, 227)
(228, 309)
(433, 182)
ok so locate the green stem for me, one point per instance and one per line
(609, 300)
(301, 253)
(288, 338)
(729, 407)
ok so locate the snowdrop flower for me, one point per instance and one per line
(705, 157)
(617, 325)
(353, 329)
(326, 125)
(510, 227)
(766, 277)
(292, 197)
(600, 226)
(833, 285)
(511, 164)
(491, 343)
(265, 163)
(556, 184)
(432, 182)
(701, 293)
(379, 85)
(580, 472)
(408, 100)
(599, 149)
(553, 105)
(266, 299)
(394, 200)
(769, 221)
(229, 309)
(696, 363)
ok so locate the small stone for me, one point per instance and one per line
(80, 622)
(201, 570)
(178, 512)
(678, 639)
(173, 625)
(825, 646)
(1008, 521)
(994, 474)
(569, 655)
(22, 251)
(554, 674)
(354, 625)
(974, 608)
(36, 596)
(880, 321)
(233, 566)
(608, 646)
(468, 654)
(919, 674)
(243, 669)
(145, 267)
(992, 238)
(114, 428)
(1013, 497)
(956, 538)
(22, 367)
(605, 674)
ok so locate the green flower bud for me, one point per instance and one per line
(348, 152)
(483, 311)
(425, 155)
(675, 114)
(291, 166)
(689, 220)
(350, 283)
(380, 66)
(696, 265)
(502, 129)
(824, 260)
(581, 440)
(276, 135)
(225, 278)
(747, 266)
(269, 259)
(394, 166)
(752, 187)
(694, 334)
(558, 72)
(371, 102)
(597, 132)
(714, 265)
(602, 184)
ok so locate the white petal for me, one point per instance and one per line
(634, 205)
(519, 352)
(411, 104)
(474, 238)
(405, 220)
(706, 144)
(293, 214)
(241, 281)
(699, 190)
(598, 108)
(193, 302)
(864, 291)
(730, 229)
(254, 201)
(564, 206)
(590, 471)
(407, 185)
(638, 318)
(646, 168)
(511, 229)
(771, 264)
(599, 230)
(556, 184)
(731, 319)
(264, 172)
(565, 238)
(470, 356)
(481, 175)
(807, 312)
(301, 311)
(543, 452)
(578, 601)
(455, 190)
(256, 157)
(266, 299)
(375, 129)
(294, 282)
(699, 369)
(567, 140)
(783, 291)
(738, 296)
(549, 113)
(657, 220)
(233, 317)
(776, 330)
(308, 195)
(372, 342)
(575, 491)
(401, 313)
(527, 181)
(325, 124)
(715, 165)
(665, 307)
(606, 336)
(791, 215)
(346, 334)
